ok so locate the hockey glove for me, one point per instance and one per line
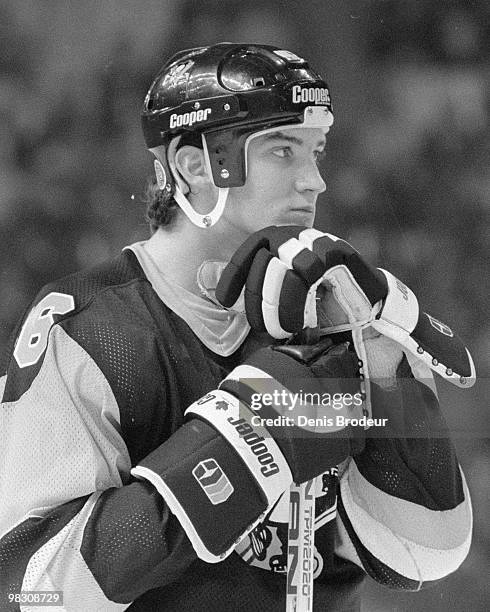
(237, 452)
(285, 269)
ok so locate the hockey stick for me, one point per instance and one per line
(301, 532)
(301, 547)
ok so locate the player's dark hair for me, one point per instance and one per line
(161, 208)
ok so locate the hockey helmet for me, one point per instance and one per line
(217, 96)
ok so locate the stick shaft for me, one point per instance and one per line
(301, 528)
(301, 547)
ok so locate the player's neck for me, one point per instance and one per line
(179, 251)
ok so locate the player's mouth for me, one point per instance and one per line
(310, 210)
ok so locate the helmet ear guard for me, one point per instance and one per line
(224, 152)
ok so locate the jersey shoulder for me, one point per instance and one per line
(84, 286)
(69, 302)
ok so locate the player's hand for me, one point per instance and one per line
(318, 390)
(286, 269)
(243, 444)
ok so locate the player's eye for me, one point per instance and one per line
(319, 156)
(282, 151)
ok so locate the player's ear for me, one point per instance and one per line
(191, 164)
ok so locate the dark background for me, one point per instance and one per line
(408, 173)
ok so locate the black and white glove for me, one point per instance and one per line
(237, 452)
(286, 269)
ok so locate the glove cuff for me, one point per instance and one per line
(252, 442)
(432, 341)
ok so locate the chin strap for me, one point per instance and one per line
(210, 218)
(181, 189)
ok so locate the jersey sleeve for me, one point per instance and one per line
(72, 518)
(404, 512)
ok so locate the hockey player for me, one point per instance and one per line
(132, 475)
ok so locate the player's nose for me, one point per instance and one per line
(310, 179)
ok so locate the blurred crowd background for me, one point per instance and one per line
(408, 173)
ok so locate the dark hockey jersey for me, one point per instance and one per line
(99, 376)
